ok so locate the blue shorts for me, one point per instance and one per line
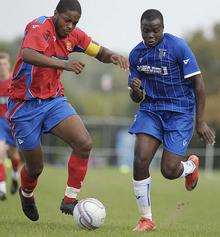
(29, 119)
(173, 129)
(5, 132)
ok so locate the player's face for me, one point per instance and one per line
(65, 22)
(4, 67)
(152, 31)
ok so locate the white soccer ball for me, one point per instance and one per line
(89, 213)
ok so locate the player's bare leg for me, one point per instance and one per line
(74, 133)
(145, 149)
(173, 166)
(14, 156)
(29, 177)
(3, 150)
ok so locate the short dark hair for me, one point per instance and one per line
(65, 5)
(152, 14)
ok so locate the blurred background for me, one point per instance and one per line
(100, 93)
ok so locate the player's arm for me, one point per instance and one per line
(192, 72)
(36, 58)
(135, 91)
(107, 56)
(86, 45)
(203, 130)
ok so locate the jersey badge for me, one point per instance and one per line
(68, 45)
(162, 53)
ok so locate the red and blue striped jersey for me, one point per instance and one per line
(29, 81)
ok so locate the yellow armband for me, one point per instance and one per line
(93, 49)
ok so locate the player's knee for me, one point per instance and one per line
(35, 172)
(86, 148)
(140, 162)
(83, 148)
(169, 171)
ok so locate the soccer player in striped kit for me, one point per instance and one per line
(7, 142)
(166, 80)
(37, 103)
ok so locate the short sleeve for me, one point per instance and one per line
(35, 38)
(187, 60)
(83, 41)
(134, 73)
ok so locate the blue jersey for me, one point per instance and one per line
(164, 71)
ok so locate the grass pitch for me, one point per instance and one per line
(177, 213)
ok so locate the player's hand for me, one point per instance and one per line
(74, 66)
(205, 132)
(136, 93)
(121, 61)
(136, 85)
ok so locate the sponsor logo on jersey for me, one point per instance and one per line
(184, 142)
(20, 141)
(35, 26)
(153, 70)
(186, 61)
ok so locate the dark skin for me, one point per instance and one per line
(71, 130)
(146, 145)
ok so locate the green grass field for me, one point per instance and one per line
(176, 211)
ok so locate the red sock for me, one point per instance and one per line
(77, 168)
(2, 172)
(28, 183)
(15, 163)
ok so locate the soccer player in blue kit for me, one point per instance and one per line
(165, 78)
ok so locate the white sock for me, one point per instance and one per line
(142, 190)
(188, 167)
(3, 186)
(71, 192)
(15, 175)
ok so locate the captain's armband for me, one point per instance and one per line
(93, 49)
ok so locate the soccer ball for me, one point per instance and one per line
(89, 213)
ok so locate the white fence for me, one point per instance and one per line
(106, 130)
(100, 156)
